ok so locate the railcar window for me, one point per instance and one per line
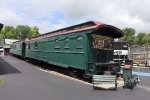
(66, 44)
(57, 44)
(79, 42)
(102, 42)
(35, 44)
(28, 45)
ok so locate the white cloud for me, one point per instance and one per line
(121, 13)
(46, 27)
(7, 16)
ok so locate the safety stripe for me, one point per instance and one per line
(141, 73)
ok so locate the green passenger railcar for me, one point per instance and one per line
(18, 48)
(86, 47)
(69, 50)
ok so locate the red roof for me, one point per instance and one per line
(76, 28)
(98, 23)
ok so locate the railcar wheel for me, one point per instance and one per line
(101, 73)
(85, 76)
(113, 73)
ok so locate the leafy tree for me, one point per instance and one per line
(1, 36)
(140, 39)
(22, 31)
(8, 32)
(34, 31)
(146, 39)
(129, 35)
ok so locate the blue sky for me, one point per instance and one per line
(50, 15)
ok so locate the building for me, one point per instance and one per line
(5, 46)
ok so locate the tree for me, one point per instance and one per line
(1, 36)
(146, 39)
(8, 32)
(129, 35)
(22, 31)
(140, 39)
(34, 31)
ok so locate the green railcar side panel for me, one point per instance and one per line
(69, 50)
(16, 49)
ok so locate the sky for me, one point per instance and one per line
(51, 15)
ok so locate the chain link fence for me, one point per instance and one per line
(140, 54)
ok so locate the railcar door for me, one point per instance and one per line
(102, 53)
(23, 49)
(103, 47)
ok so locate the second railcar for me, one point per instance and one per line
(18, 48)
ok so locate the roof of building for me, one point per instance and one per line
(9, 41)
